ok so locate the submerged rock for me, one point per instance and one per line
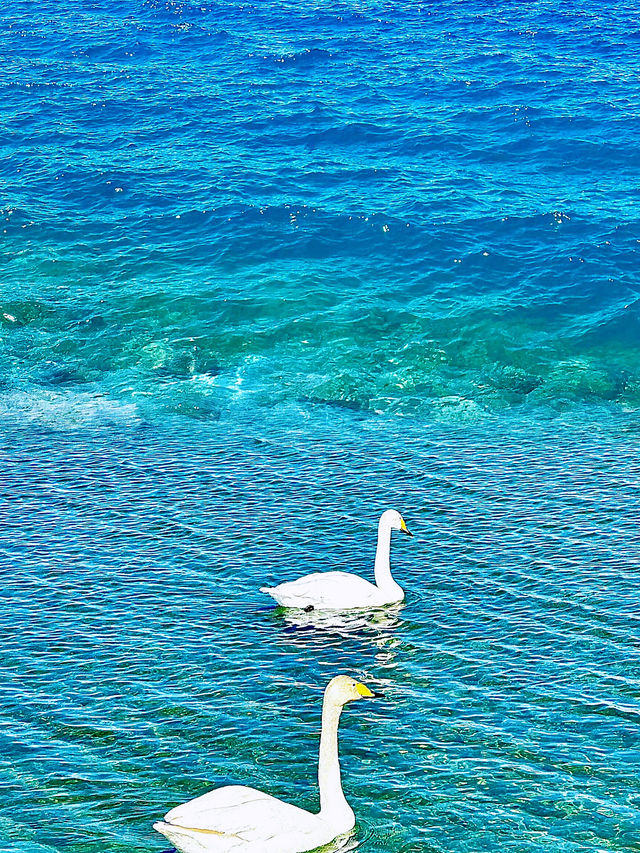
(578, 379)
(509, 378)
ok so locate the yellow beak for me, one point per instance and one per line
(404, 529)
(364, 691)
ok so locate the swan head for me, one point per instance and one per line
(391, 518)
(343, 689)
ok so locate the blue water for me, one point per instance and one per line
(268, 269)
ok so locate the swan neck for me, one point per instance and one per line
(382, 568)
(333, 805)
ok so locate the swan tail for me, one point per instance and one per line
(272, 591)
(284, 597)
(193, 840)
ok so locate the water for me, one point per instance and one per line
(267, 270)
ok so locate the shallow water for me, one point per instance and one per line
(267, 270)
(429, 211)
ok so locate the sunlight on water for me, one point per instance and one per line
(156, 670)
(268, 270)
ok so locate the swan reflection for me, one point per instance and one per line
(343, 843)
(344, 622)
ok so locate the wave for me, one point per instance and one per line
(304, 60)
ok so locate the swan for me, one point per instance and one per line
(237, 819)
(342, 590)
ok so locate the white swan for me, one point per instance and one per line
(236, 819)
(342, 590)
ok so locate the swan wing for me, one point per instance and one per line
(327, 590)
(237, 818)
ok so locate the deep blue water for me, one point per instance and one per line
(268, 269)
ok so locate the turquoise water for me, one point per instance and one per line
(267, 270)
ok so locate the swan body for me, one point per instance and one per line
(237, 819)
(342, 590)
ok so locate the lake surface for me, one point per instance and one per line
(267, 270)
